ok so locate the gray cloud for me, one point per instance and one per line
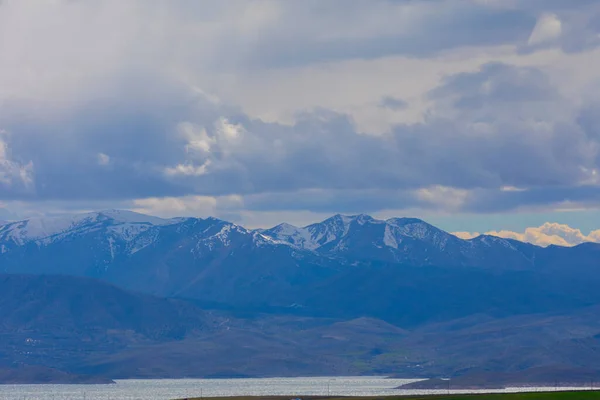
(366, 29)
(393, 103)
(496, 84)
(311, 31)
(126, 120)
(577, 29)
(483, 201)
(330, 201)
(479, 136)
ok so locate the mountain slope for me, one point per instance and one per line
(59, 306)
(402, 270)
(86, 327)
(209, 259)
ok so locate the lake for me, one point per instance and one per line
(165, 389)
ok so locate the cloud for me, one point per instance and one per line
(571, 26)
(66, 46)
(393, 103)
(200, 206)
(466, 235)
(544, 235)
(500, 126)
(500, 85)
(103, 159)
(364, 29)
(551, 197)
(188, 169)
(441, 197)
(14, 175)
(326, 201)
(548, 28)
(143, 110)
(7, 215)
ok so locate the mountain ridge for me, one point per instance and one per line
(398, 270)
(70, 221)
(46, 227)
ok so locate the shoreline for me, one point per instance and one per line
(533, 395)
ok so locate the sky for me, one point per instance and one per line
(475, 115)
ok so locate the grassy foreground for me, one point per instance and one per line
(579, 395)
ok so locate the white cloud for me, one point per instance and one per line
(13, 174)
(466, 235)
(443, 197)
(226, 131)
(204, 148)
(547, 29)
(199, 206)
(198, 140)
(3, 149)
(188, 169)
(511, 189)
(103, 159)
(544, 235)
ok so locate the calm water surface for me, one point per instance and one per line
(181, 388)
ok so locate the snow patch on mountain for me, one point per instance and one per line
(222, 238)
(125, 225)
(389, 238)
(223, 234)
(128, 231)
(111, 245)
(331, 229)
(489, 241)
(290, 234)
(337, 228)
(411, 227)
(142, 240)
(264, 240)
(21, 232)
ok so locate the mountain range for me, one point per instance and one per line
(351, 294)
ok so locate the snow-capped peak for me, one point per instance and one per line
(127, 224)
(336, 229)
(315, 236)
(344, 221)
(403, 221)
(412, 227)
(286, 233)
(362, 219)
(489, 240)
(39, 228)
